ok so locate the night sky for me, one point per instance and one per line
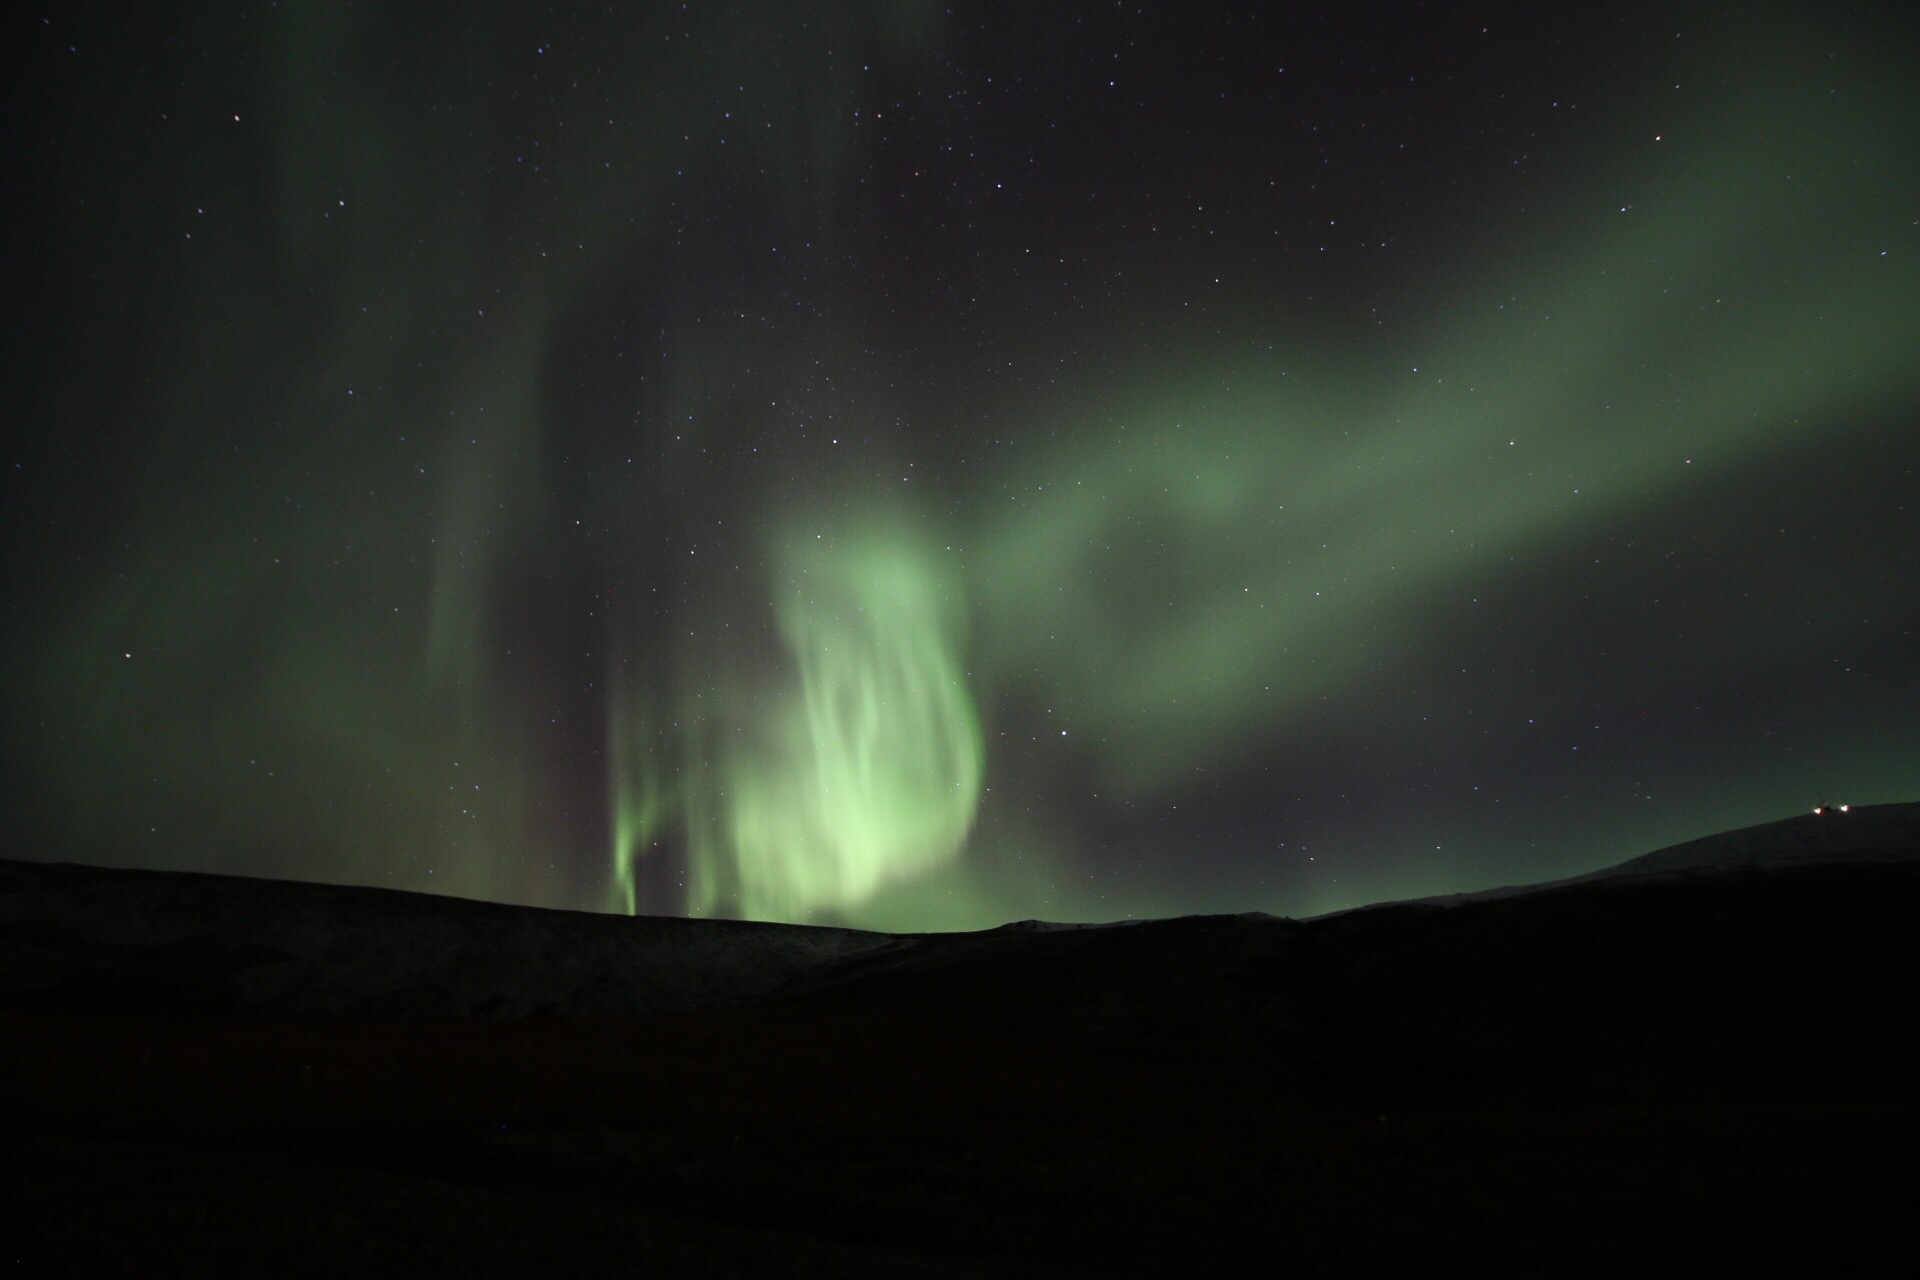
(920, 467)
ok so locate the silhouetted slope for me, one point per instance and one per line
(85, 938)
(1708, 1069)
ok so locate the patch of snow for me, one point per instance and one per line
(1059, 926)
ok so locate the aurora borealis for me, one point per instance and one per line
(920, 466)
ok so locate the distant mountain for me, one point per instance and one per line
(1830, 836)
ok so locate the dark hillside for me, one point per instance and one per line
(1711, 1071)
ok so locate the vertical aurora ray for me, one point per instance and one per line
(811, 780)
(856, 764)
(640, 801)
(869, 769)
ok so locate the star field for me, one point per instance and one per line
(920, 466)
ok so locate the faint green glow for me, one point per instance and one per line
(1228, 545)
(307, 655)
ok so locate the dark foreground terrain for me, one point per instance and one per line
(209, 1076)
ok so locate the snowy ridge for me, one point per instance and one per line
(1830, 836)
(1063, 926)
(1865, 833)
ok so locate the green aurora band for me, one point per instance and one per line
(868, 769)
(1221, 549)
(861, 765)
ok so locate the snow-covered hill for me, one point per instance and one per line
(1829, 836)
